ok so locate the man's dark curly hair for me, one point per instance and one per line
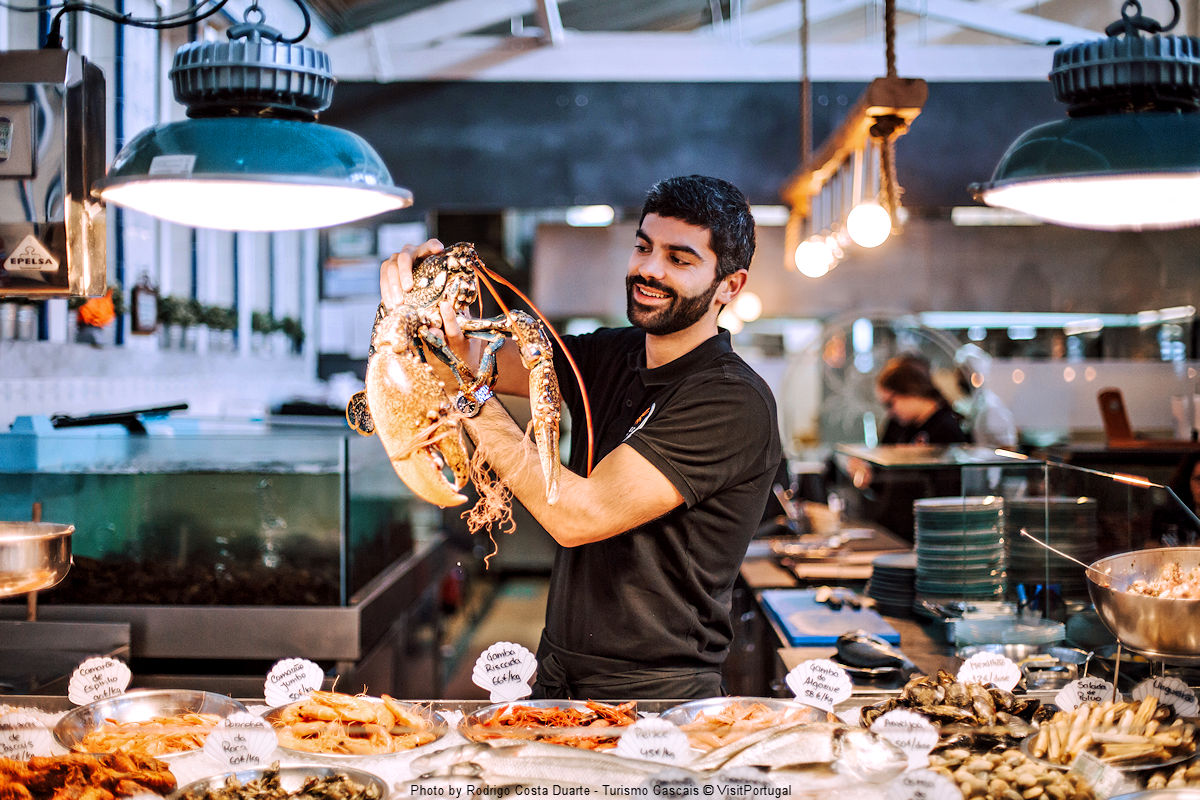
(713, 204)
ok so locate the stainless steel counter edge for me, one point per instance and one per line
(263, 632)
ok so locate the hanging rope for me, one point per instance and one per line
(885, 127)
(805, 90)
(889, 36)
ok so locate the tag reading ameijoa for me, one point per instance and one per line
(98, 679)
(1170, 691)
(241, 740)
(23, 736)
(290, 680)
(820, 683)
(911, 732)
(654, 739)
(985, 668)
(923, 784)
(504, 670)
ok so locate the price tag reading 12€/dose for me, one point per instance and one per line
(820, 683)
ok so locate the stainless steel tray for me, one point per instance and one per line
(291, 778)
(138, 706)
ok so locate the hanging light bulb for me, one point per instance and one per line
(869, 224)
(814, 259)
(747, 306)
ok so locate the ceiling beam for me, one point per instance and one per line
(667, 57)
(780, 19)
(989, 18)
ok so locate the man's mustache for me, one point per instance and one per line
(651, 283)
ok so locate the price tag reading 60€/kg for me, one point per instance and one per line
(820, 683)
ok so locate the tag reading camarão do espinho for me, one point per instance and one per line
(820, 683)
(985, 668)
(23, 736)
(504, 671)
(241, 740)
(290, 680)
(98, 679)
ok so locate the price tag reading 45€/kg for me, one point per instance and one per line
(820, 683)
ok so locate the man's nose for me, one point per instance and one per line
(652, 267)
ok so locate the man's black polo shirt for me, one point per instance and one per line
(659, 595)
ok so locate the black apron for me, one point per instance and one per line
(566, 675)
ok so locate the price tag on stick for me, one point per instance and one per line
(820, 683)
(654, 739)
(1170, 691)
(98, 679)
(504, 671)
(985, 668)
(290, 680)
(1085, 690)
(911, 732)
(923, 784)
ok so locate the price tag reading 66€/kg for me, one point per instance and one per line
(820, 683)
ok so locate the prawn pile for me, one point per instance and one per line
(77, 775)
(158, 736)
(341, 724)
(576, 726)
(739, 718)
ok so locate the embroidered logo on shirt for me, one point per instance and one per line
(641, 421)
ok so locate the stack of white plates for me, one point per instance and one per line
(892, 583)
(960, 547)
(1068, 524)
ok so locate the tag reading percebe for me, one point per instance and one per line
(504, 671)
(241, 740)
(820, 683)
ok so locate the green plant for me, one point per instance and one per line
(294, 331)
(263, 322)
(169, 309)
(220, 318)
(191, 312)
(120, 305)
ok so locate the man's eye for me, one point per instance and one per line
(641, 248)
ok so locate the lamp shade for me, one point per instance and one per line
(1130, 171)
(251, 174)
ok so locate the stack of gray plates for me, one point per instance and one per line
(960, 547)
(1068, 524)
(891, 585)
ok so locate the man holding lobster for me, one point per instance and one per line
(687, 444)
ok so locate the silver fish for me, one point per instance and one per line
(533, 763)
(852, 751)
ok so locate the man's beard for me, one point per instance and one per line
(679, 313)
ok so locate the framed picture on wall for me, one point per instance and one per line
(144, 307)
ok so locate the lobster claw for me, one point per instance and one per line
(544, 394)
(408, 409)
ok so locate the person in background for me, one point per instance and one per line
(687, 446)
(991, 422)
(918, 413)
(1172, 525)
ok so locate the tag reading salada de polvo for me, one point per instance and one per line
(1085, 690)
(654, 739)
(241, 740)
(911, 732)
(504, 670)
(1170, 691)
(985, 668)
(923, 784)
(820, 683)
(98, 679)
(290, 680)
(23, 737)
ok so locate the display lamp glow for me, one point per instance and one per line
(251, 156)
(869, 224)
(814, 257)
(1128, 155)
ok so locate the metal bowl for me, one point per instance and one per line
(1154, 626)
(138, 706)
(290, 779)
(471, 726)
(437, 725)
(33, 555)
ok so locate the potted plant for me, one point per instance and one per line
(294, 331)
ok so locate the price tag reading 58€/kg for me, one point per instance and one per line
(820, 683)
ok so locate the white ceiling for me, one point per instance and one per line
(701, 40)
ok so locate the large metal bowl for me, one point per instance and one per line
(291, 778)
(138, 706)
(33, 555)
(1154, 626)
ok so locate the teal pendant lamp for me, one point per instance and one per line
(1128, 155)
(251, 156)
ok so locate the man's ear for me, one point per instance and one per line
(731, 285)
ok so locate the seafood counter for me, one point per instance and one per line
(985, 743)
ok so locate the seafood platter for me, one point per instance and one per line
(587, 724)
(341, 725)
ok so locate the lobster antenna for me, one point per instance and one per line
(486, 273)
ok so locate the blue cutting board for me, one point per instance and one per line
(807, 623)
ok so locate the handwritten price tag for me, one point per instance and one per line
(22, 737)
(98, 679)
(1106, 780)
(290, 680)
(1084, 690)
(1171, 692)
(504, 670)
(654, 739)
(911, 732)
(241, 740)
(921, 784)
(820, 683)
(985, 668)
